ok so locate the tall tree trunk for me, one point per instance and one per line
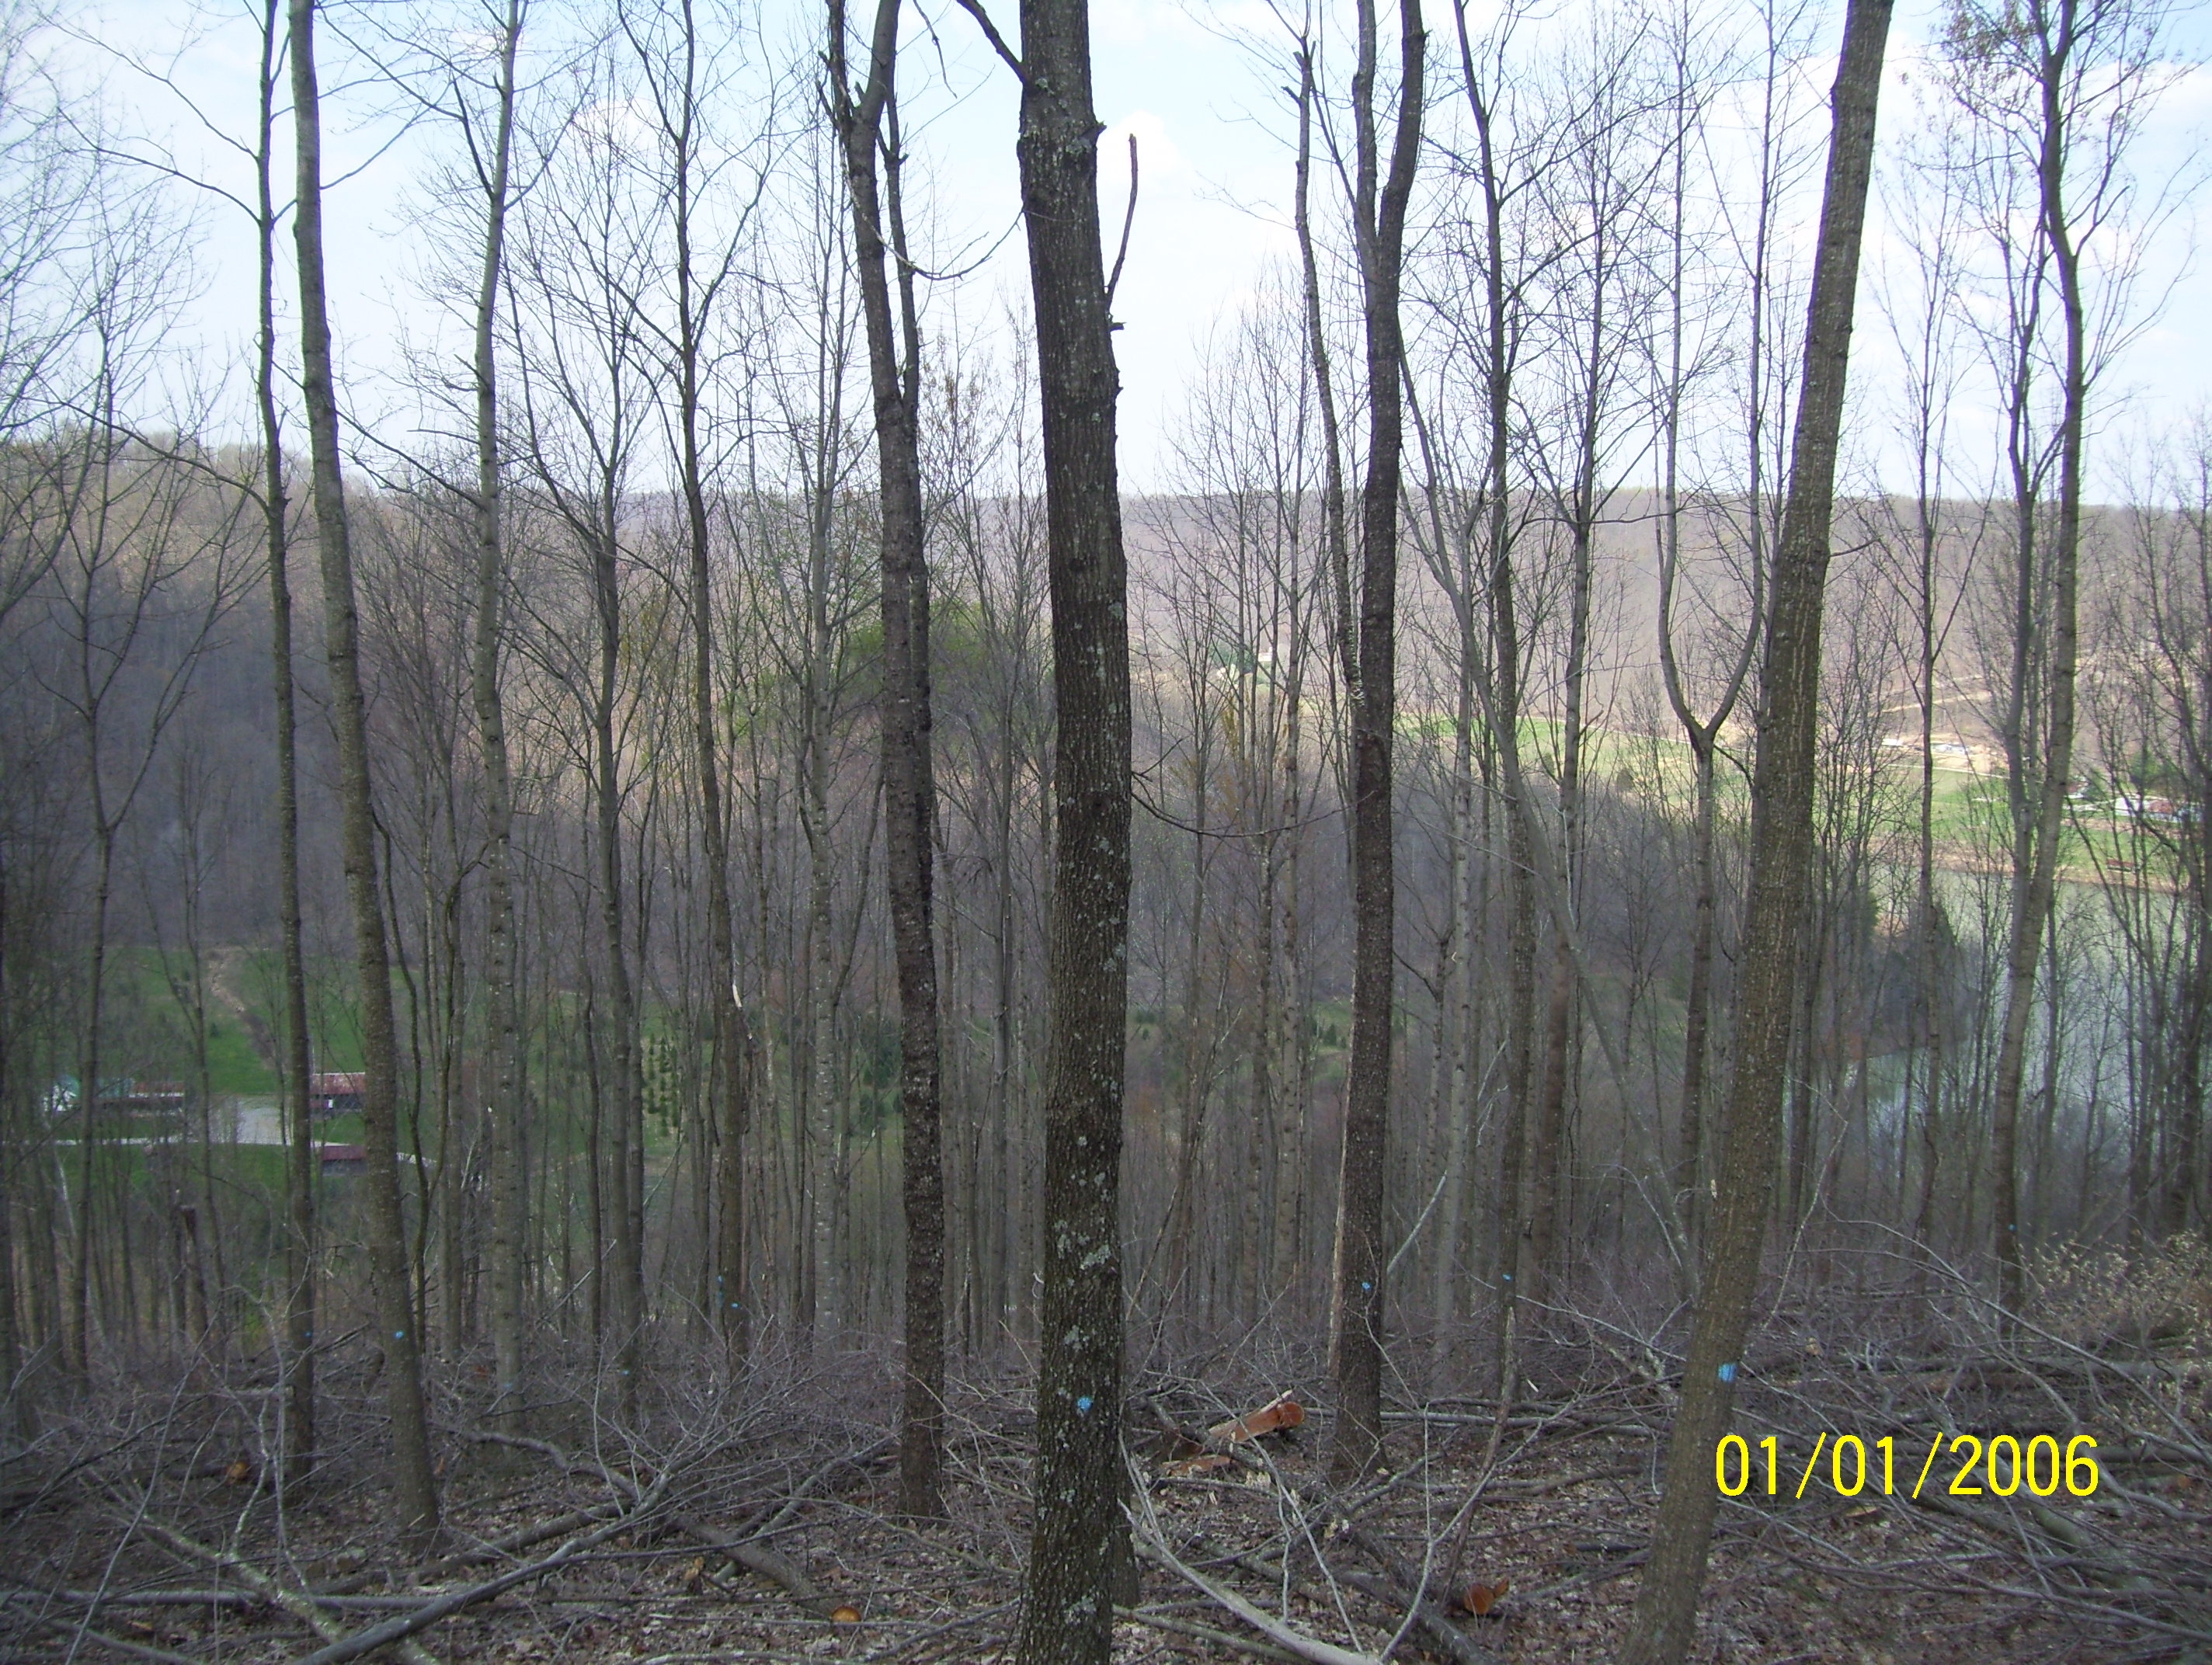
(2054, 43)
(1544, 1202)
(906, 720)
(1690, 1182)
(1357, 1306)
(625, 1131)
(15, 1401)
(293, 1061)
(15, 1331)
(1079, 1547)
(503, 1039)
(78, 1335)
(1466, 904)
(1336, 556)
(1294, 1099)
(414, 1485)
(1505, 710)
(1781, 852)
(727, 1079)
(1696, 1019)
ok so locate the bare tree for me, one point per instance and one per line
(579, 262)
(415, 1485)
(136, 620)
(1685, 103)
(1379, 202)
(907, 720)
(1782, 856)
(1078, 1546)
(299, 1165)
(490, 141)
(1499, 175)
(1924, 318)
(681, 79)
(2057, 90)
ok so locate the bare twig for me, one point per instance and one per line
(137, 1650)
(1400, 1585)
(444, 1606)
(1160, 1621)
(1310, 1648)
(294, 1602)
(760, 1559)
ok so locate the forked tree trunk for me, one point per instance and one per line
(1665, 1621)
(1357, 1304)
(1078, 1545)
(414, 1488)
(1690, 1182)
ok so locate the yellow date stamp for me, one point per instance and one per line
(2000, 1466)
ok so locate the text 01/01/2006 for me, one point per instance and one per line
(2003, 1465)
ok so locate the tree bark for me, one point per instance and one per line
(294, 1063)
(1505, 710)
(625, 1124)
(1078, 1546)
(728, 1078)
(503, 1040)
(1665, 1621)
(2053, 43)
(1690, 1183)
(905, 717)
(413, 1486)
(1356, 1307)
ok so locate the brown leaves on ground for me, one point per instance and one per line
(1540, 1571)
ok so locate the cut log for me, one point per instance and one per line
(1279, 1414)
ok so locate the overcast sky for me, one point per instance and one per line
(1212, 135)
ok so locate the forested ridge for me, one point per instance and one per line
(679, 979)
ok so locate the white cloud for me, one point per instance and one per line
(1157, 158)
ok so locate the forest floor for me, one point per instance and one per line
(761, 1524)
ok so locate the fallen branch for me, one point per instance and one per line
(296, 1603)
(137, 1650)
(242, 1600)
(526, 1538)
(1432, 1619)
(804, 1490)
(1160, 1621)
(439, 1608)
(1310, 1648)
(2088, 1556)
(1401, 1585)
(567, 1462)
(767, 1563)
